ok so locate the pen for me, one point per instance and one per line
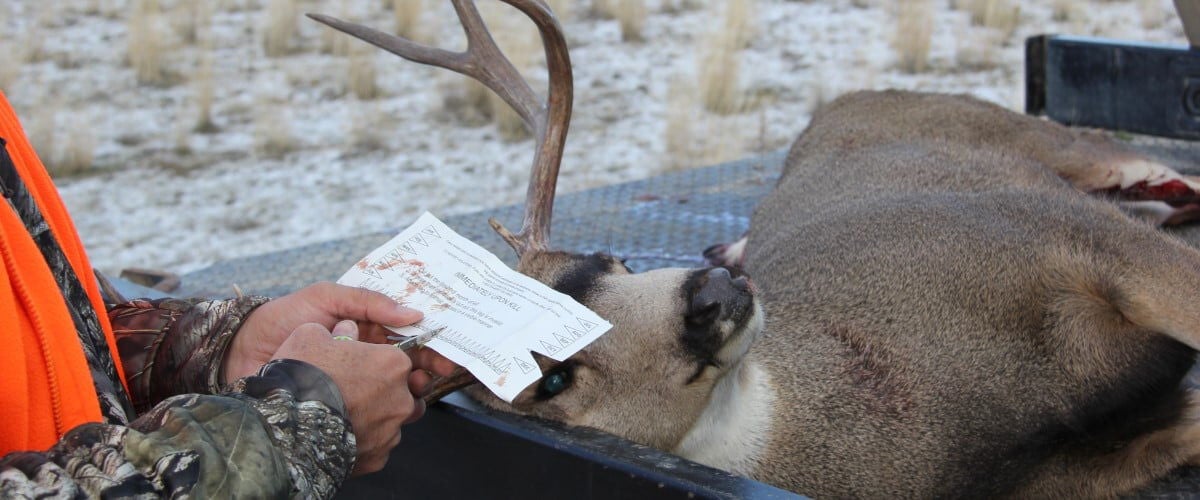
(415, 341)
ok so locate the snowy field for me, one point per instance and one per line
(291, 154)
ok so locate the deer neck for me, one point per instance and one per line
(733, 430)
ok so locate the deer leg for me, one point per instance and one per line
(1161, 213)
(1145, 188)
(1126, 469)
(726, 254)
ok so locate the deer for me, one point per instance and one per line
(939, 298)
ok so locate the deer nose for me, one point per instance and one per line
(716, 287)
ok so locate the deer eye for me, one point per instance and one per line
(554, 383)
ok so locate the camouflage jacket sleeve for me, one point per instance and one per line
(175, 346)
(280, 432)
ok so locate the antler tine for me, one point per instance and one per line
(484, 62)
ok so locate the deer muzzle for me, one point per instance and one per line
(720, 305)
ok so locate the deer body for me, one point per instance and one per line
(947, 316)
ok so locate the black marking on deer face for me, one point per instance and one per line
(582, 275)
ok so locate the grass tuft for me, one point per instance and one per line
(281, 27)
(407, 16)
(192, 20)
(603, 9)
(361, 79)
(10, 68)
(333, 41)
(678, 126)
(273, 136)
(1000, 15)
(79, 151)
(1152, 12)
(365, 133)
(913, 35)
(562, 9)
(720, 61)
(147, 44)
(631, 16)
(977, 50)
(203, 90)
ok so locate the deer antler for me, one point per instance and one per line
(484, 62)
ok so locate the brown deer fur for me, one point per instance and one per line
(939, 310)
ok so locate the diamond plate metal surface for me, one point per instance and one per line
(657, 222)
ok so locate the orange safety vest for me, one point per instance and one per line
(46, 387)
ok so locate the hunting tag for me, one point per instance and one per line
(489, 316)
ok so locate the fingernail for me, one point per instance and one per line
(408, 310)
(345, 327)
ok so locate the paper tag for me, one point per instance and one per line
(492, 316)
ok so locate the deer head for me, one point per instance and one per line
(676, 331)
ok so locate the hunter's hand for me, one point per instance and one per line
(325, 304)
(373, 380)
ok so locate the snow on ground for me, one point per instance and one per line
(162, 196)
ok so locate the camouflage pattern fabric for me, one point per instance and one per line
(278, 434)
(281, 433)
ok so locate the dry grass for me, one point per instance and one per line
(42, 128)
(678, 125)
(10, 67)
(720, 69)
(273, 137)
(78, 153)
(913, 35)
(1153, 13)
(720, 61)
(203, 91)
(977, 50)
(603, 9)
(1001, 15)
(48, 15)
(65, 151)
(191, 20)
(33, 45)
(562, 9)
(92, 8)
(148, 44)
(361, 76)
(407, 16)
(365, 133)
(722, 141)
(508, 123)
(281, 27)
(740, 21)
(465, 100)
(695, 138)
(1072, 12)
(333, 41)
(819, 92)
(631, 16)
(110, 9)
